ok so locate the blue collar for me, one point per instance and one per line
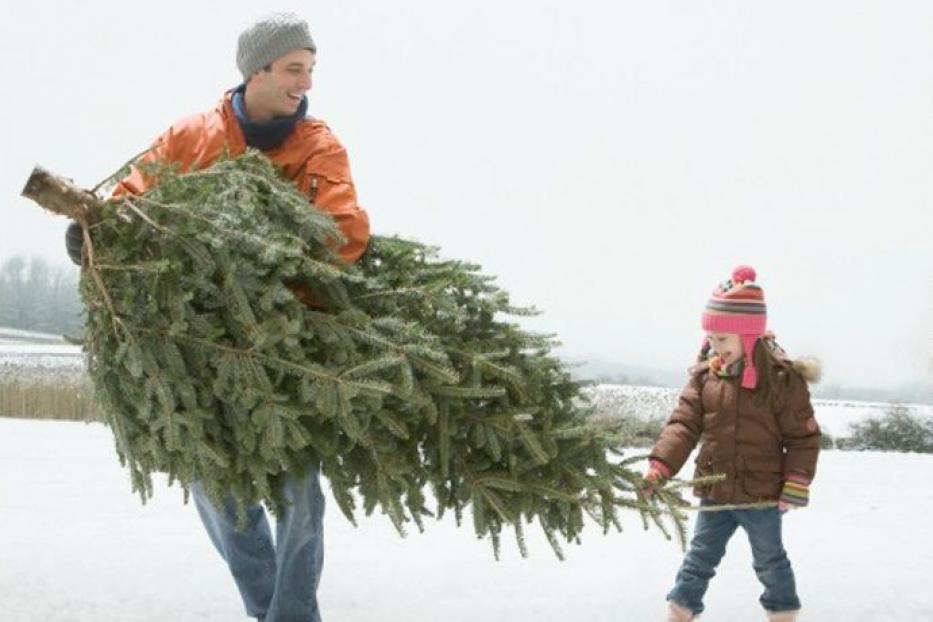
(271, 134)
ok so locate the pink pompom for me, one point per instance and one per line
(743, 274)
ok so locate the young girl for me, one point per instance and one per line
(749, 407)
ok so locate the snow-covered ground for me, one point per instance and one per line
(46, 356)
(23, 349)
(76, 546)
(17, 336)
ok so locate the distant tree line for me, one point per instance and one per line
(39, 297)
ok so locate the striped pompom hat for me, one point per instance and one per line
(738, 306)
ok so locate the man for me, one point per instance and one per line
(276, 56)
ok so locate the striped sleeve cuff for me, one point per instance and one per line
(796, 490)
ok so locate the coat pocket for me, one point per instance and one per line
(763, 476)
(323, 173)
(703, 467)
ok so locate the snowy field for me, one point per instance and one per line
(17, 336)
(20, 348)
(76, 546)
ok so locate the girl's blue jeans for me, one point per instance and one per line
(712, 532)
(277, 581)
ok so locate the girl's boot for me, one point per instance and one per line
(783, 616)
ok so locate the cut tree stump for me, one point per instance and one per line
(61, 196)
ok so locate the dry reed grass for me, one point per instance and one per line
(46, 393)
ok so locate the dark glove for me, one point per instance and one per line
(74, 242)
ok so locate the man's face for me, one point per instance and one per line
(727, 345)
(278, 92)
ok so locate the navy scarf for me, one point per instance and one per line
(268, 135)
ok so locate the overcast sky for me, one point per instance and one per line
(609, 161)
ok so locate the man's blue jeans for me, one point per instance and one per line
(278, 582)
(712, 532)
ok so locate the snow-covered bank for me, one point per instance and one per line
(50, 357)
(18, 336)
(76, 546)
(835, 416)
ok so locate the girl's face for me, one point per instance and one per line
(727, 345)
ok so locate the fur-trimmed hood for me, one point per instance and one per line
(809, 367)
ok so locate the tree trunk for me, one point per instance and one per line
(61, 196)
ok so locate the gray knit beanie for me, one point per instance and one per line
(271, 37)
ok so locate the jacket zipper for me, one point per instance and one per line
(737, 457)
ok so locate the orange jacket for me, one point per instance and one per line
(311, 157)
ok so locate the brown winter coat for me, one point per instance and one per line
(753, 445)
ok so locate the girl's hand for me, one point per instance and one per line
(796, 492)
(651, 477)
(655, 475)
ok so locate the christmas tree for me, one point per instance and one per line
(403, 376)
